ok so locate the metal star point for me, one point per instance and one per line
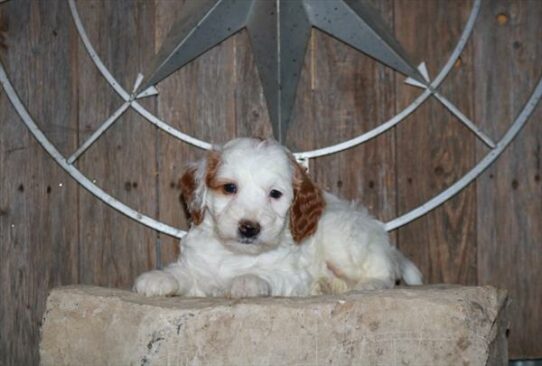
(279, 31)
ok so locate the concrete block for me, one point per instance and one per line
(430, 325)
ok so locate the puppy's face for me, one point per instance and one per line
(249, 194)
(245, 192)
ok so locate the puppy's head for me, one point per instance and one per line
(251, 193)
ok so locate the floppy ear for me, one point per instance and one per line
(307, 206)
(192, 195)
(194, 183)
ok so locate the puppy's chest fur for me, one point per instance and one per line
(214, 267)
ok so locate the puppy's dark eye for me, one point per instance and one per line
(275, 194)
(230, 188)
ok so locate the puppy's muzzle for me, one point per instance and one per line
(248, 230)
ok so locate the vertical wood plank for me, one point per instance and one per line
(53, 233)
(198, 100)
(38, 201)
(434, 149)
(114, 249)
(343, 93)
(251, 114)
(508, 58)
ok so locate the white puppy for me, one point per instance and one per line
(261, 227)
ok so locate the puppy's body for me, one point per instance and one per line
(351, 250)
(261, 227)
(206, 268)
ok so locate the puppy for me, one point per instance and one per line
(261, 227)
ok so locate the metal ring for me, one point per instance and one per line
(478, 168)
(465, 35)
(467, 31)
(164, 228)
(73, 171)
(123, 93)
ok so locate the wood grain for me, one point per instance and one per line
(434, 149)
(508, 58)
(38, 202)
(251, 114)
(114, 249)
(198, 100)
(342, 94)
(53, 233)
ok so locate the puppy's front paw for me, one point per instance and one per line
(156, 283)
(249, 286)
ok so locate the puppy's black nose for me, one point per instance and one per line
(249, 229)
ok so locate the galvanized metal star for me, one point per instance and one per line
(279, 31)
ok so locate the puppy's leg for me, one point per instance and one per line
(249, 286)
(168, 282)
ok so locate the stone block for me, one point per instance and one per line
(428, 325)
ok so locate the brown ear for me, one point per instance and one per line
(194, 184)
(189, 185)
(307, 206)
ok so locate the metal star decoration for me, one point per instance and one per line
(279, 31)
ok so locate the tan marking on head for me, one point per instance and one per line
(213, 163)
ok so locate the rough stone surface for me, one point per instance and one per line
(431, 325)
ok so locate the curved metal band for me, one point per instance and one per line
(123, 93)
(478, 168)
(166, 229)
(73, 171)
(465, 35)
(467, 31)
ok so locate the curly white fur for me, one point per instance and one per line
(243, 242)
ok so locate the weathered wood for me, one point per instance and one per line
(38, 202)
(251, 115)
(198, 100)
(344, 93)
(488, 234)
(508, 58)
(114, 249)
(434, 149)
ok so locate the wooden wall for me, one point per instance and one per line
(52, 232)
